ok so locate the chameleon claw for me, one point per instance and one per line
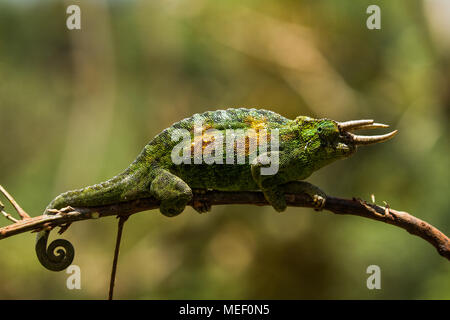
(202, 206)
(319, 202)
(66, 209)
(62, 210)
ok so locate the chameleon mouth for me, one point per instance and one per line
(348, 126)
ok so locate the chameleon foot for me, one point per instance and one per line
(201, 204)
(319, 202)
(275, 196)
(62, 210)
(317, 196)
(173, 192)
(172, 208)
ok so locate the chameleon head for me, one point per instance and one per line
(328, 140)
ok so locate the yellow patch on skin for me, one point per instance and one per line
(206, 138)
(256, 124)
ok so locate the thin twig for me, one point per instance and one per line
(122, 220)
(16, 206)
(400, 219)
(6, 214)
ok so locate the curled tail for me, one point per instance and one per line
(59, 254)
(124, 187)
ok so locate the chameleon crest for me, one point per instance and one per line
(176, 161)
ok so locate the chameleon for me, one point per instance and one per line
(304, 145)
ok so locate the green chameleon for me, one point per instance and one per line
(304, 146)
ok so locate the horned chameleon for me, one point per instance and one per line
(304, 145)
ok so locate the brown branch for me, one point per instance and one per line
(356, 207)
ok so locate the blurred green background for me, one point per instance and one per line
(76, 107)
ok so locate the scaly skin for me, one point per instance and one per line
(305, 145)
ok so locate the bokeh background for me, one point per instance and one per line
(76, 107)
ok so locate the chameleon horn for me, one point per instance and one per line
(348, 125)
(364, 140)
(371, 126)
